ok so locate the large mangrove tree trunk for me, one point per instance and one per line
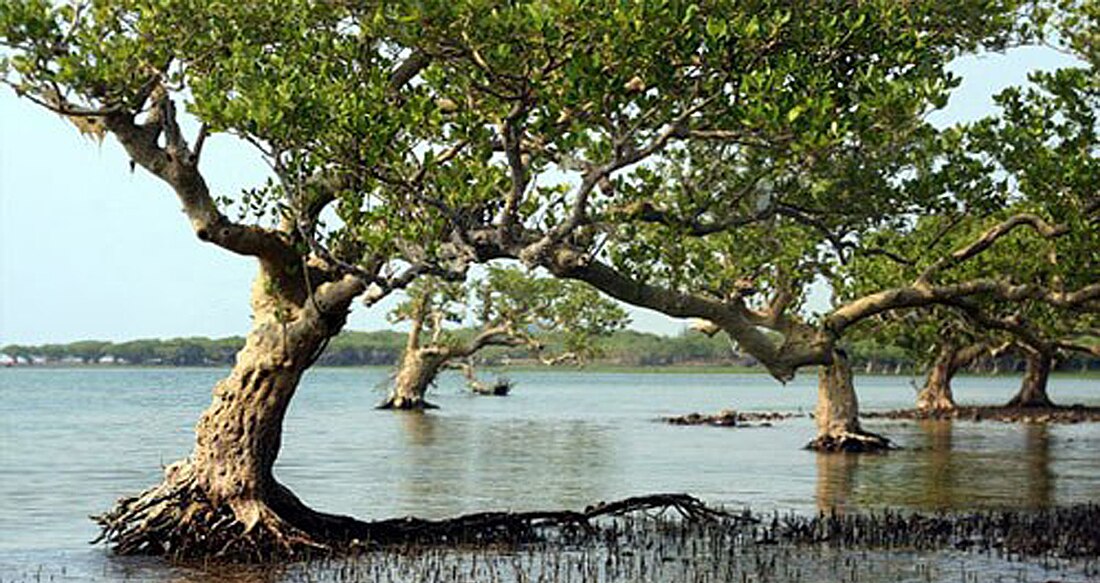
(837, 412)
(1033, 388)
(419, 367)
(224, 499)
(936, 395)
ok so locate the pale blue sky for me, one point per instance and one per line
(90, 250)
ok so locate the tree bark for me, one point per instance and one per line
(936, 394)
(1033, 388)
(419, 367)
(837, 412)
(224, 499)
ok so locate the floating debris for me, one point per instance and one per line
(730, 418)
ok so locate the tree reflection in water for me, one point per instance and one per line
(456, 464)
(946, 465)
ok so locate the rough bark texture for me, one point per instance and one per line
(936, 394)
(837, 412)
(419, 367)
(223, 500)
(1033, 388)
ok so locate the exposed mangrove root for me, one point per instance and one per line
(984, 546)
(399, 403)
(851, 442)
(1056, 414)
(176, 520)
(730, 418)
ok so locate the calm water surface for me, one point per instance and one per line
(73, 440)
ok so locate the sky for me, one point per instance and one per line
(91, 250)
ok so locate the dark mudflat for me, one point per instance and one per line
(1004, 414)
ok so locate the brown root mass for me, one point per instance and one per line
(1004, 414)
(861, 441)
(399, 403)
(177, 521)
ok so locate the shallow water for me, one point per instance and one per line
(73, 440)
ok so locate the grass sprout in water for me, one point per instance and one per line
(1059, 544)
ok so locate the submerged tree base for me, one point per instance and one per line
(851, 442)
(1004, 414)
(175, 520)
(404, 404)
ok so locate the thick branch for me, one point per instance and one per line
(966, 355)
(408, 69)
(494, 336)
(335, 296)
(916, 296)
(733, 318)
(174, 164)
(989, 237)
(1092, 349)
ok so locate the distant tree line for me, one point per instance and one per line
(351, 348)
(383, 348)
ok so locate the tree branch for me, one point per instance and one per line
(174, 165)
(502, 335)
(409, 68)
(916, 296)
(623, 157)
(512, 136)
(334, 297)
(986, 240)
(733, 318)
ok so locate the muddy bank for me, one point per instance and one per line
(1059, 414)
(730, 418)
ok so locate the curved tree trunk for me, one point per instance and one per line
(1033, 388)
(936, 394)
(419, 367)
(224, 499)
(837, 412)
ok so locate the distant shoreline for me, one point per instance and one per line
(525, 368)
